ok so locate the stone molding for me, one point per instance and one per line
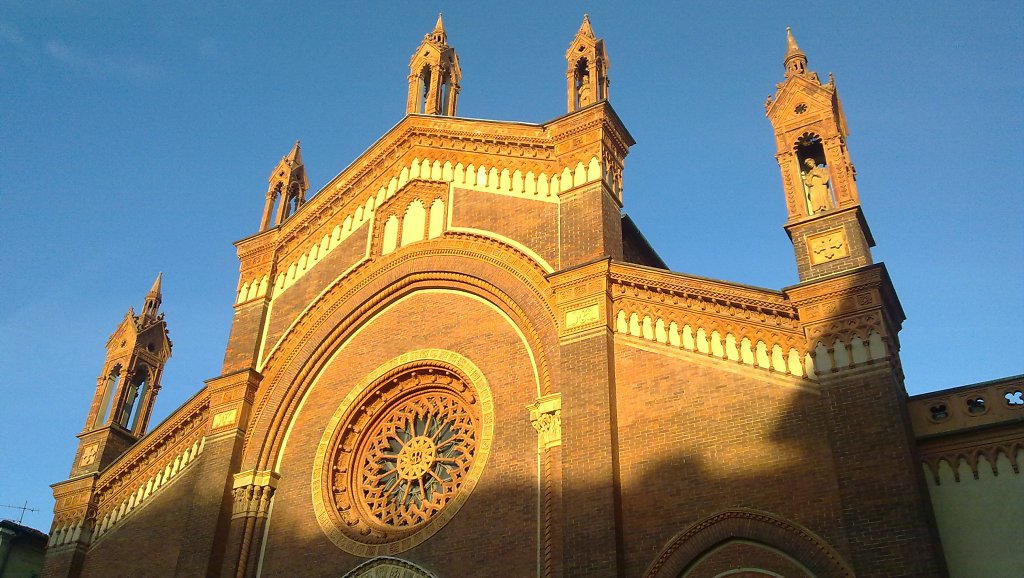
(972, 425)
(281, 359)
(951, 411)
(388, 567)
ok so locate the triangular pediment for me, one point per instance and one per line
(806, 90)
(125, 332)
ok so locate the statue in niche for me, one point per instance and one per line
(583, 92)
(815, 180)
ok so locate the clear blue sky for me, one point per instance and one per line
(137, 138)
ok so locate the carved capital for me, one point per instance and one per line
(251, 493)
(546, 417)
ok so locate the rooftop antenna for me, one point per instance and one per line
(23, 509)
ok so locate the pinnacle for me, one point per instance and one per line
(585, 28)
(156, 284)
(438, 34)
(295, 156)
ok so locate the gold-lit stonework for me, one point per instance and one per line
(402, 453)
(582, 316)
(225, 418)
(828, 246)
(89, 455)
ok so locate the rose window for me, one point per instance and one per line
(400, 457)
(416, 459)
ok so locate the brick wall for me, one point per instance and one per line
(696, 438)
(297, 297)
(149, 541)
(532, 223)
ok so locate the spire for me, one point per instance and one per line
(795, 61)
(585, 28)
(826, 226)
(155, 290)
(153, 298)
(295, 156)
(439, 35)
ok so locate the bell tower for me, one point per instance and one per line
(825, 224)
(587, 74)
(127, 386)
(287, 190)
(434, 75)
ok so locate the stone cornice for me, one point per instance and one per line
(671, 286)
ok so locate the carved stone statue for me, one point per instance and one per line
(583, 92)
(816, 184)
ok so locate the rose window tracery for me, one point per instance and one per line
(417, 458)
(401, 455)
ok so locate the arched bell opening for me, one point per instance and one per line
(135, 392)
(423, 90)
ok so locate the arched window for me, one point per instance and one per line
(446, 89)
(139, 406)
(131, 395)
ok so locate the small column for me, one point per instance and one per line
(252, 493)
(546, 417)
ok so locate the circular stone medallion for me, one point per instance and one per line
(402, 453)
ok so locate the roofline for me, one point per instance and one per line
(960, 388)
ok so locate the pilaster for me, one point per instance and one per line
(209, 514)
(74, 515)
(590, 217)
(257, 256)
(589, 447)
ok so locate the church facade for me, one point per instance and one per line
(460, 358)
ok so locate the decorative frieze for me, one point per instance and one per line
(540, 186)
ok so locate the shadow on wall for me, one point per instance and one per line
(709, 506)
(686, 512)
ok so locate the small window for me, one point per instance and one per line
(1014, 398)
(939, 412)
(976, 406)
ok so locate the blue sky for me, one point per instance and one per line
(137, 138)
